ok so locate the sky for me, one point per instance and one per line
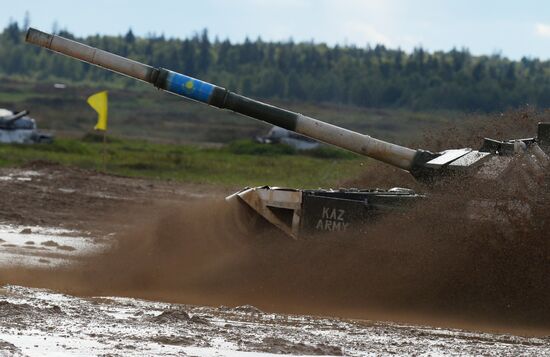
(511, 28)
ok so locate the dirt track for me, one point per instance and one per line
(56, 196)
(225, 270)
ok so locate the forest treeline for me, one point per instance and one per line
(368, 77)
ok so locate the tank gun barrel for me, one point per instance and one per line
(16, 116)
(219, 97)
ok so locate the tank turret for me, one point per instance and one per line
(19, 128)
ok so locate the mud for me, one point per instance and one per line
(56, 324)
(448, 273)
(46, 194)
(482, 246)
(7, 347)
(446, 262)
(279, 345)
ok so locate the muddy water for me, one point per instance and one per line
(36, 246)
(36, 322)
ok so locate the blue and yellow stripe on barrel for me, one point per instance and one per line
(188, 87)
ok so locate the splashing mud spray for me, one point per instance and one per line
(445, 257)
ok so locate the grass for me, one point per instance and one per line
(143, 112)
(187, 163)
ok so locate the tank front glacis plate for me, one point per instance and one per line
(346, 211)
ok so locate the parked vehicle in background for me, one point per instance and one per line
(19, 128)
(277, 135)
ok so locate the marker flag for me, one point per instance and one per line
(99, 101)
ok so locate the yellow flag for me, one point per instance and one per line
(98, 101)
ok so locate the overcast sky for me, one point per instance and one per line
(512, 28)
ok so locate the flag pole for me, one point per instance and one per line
(104, 151)
(99, 102)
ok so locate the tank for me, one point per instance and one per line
(19, 128)
(298, 212)
(278, 135)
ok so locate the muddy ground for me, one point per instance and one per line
(51, 195)
(95, 236)
(41, 322)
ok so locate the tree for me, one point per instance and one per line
(188, 56)
(204, 52)
(479, 71)
(12, 32)
(26, 21)
(129, 38)
(377, 77)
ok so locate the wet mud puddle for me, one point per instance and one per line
(37, 322)
(35, 246)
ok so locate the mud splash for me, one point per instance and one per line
(417, 267)
(433, 263)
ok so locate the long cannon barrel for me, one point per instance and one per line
(216, 96)
(14, 117)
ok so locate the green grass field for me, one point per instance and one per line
(225, 166)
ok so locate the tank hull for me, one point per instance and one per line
(308, 213)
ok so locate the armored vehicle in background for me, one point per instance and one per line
(19, 128)
(278, 135)
(305, 212)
